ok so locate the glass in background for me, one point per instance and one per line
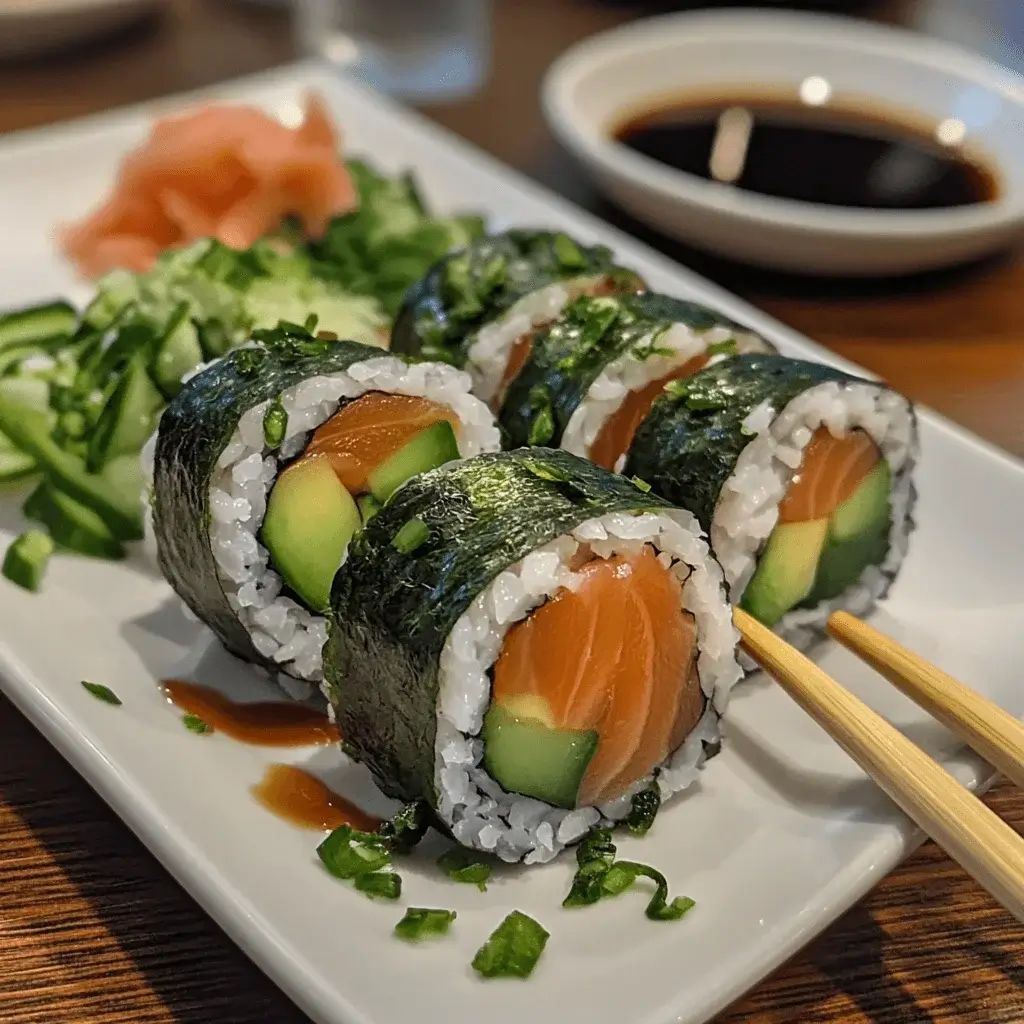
(419, 50)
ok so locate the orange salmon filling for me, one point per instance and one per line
(616, 656)
(832, 469)
(620, 428)
(366, 432)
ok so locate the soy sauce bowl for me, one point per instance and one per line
(598, 85)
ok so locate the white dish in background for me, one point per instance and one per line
(596, 84)
(783, 835)
(32, 27)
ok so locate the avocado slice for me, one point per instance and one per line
(866, 509)
(310, 520)
(433, 446)
(842, 563)
(858, 536)
(527, 756)
(786, 570)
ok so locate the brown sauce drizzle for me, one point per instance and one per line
(263, 724)
(298, 797)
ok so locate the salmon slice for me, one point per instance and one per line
(226, 172)
(366, 432)
(620, 428)
(832, 469)
(613, 655)
(517, 357)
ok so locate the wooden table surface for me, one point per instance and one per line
(93, 930)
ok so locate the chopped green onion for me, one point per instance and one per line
(659, 909)
(347, 853)
(594, 855)
(103, 693)
(642, 810)
(310, 325)
(275, 423)
(422, 923)
(513, 949)
(405, 830)
(640, 485)
(568, 253)
(248, 360)
(600, 876)
(380, 885)
(462, 865)
(542, 429)
(26, 559)
(412, 535)
(718, 348)
(195, 724)
(542, 426)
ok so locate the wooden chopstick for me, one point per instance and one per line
(991, 731)
(982, 843)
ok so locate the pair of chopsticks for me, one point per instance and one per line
(973, 835)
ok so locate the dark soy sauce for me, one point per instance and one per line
(835, 154)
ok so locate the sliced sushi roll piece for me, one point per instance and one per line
(478, 308)
(593, 375)
(527, 641)
(800, 473)
(270, 460)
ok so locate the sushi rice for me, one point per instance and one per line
(636, 368)
(474, 806)
(488, 355)
(748, 504)
(280, 628)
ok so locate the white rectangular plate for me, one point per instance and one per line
(782, 835)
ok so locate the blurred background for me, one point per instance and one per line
(475, 66)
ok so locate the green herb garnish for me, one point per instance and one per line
(594, 855)
(722, 348)
(642, 810)
(410, 536)
(27, 558)
(362, 858)
(103, 693)
(422, 923)
(542, 426)
(380, 885)
(600, 876)
(405, 830)
(621, 877)
(348, 853)
(469, 866)
(195, 724)
(275, 423)
(513, 949)
(640, 485)
(249, 360)
(568, 253)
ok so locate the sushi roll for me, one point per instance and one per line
(526, 642)
(593, 375)
(800, 474)
(269, 461)
(478, 307)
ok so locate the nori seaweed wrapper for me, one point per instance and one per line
(688, 446)
(392, 610)
(567, 357)
(467, 289)
(194, 429)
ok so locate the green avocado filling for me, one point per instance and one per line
(311, 516)
(806, 563)
(526, 755)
